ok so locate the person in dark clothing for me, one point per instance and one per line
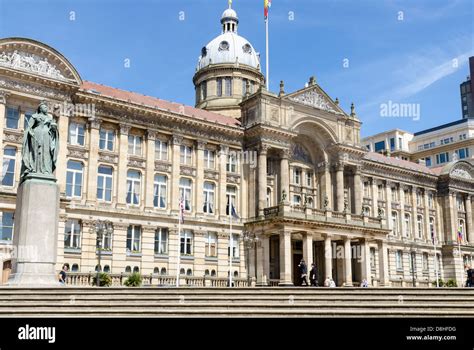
(63, 275)
(313, 275)
(303, 269)
(470, 277)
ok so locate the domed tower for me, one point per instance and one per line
(228, 69)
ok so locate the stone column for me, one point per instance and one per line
(122, 166)
(357, 191)
(150, 169)
(263, 249)
(176, 141)
(94, 126)
(173, 251)
(327, 257)
(3, 116)
(200, 179)
(383, 264)
(388, 200)
(402, 210)
(285, 258)
(469, 226)
(222, 255)
(340, 186)
(326, 186)
(61, 166)
(199, 253)
(426, 217)
(285, 175)
(414, 213)
(308, 249)
(454, 217)
(148, 249)
(347, 262)
(223, 152)
(365, 262)
(262, 179)
(375, 198)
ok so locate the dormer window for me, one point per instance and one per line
(247, 48)
(224, 46)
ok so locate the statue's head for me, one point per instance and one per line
(43, 107)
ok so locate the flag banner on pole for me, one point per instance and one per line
(234, 212)
(459, 235)
(181, 210)
(267, 4)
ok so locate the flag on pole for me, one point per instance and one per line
(233, 212)
(181, 210)
(459, 235)
(267, 4)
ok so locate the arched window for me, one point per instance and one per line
(75, 268)
(310, 202)
(211, 244)
(104, 183)
(407, 225)
(213, 273)
(206, 273)
(231, 194)
(136, 269)
(156, 271)
(97, 268)
(128, 269)
(189, 272)
(163, 271)
(461, 230)
(74, 177)
(133, 187)
(107, 268)
(236, 274)
(182, 271)
(432, 231)
(72, 234)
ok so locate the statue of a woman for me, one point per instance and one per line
(40, 144)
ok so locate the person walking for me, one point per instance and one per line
(303, 269)
(63, 275)
(313, 275)
(470, 276)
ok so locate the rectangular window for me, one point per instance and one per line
(379, 146)
(204, 90)
(133, 187)
(366, 189)
(6, 230)
(380, 192)
(407, 225)
(9, 160)
(186, 243)
(160, 191)
(431, 200)
(228, 86)
(372, 259)
(219, 87)
(134, 234)
(72, 234)
(161, 150)
(74, 177)
(106, 139)
(27, 118)
(419, 224)
(395, 223)
(432, 231)
(400, 143)
(161, 241)
(392, 144)
(309, 179)
(297, 176)
(428, 161)
(13, 117)
(104, 183)
(462, 153)
(186, 155)
(425, 261)
(231, 165)
(399, 260)
(209, 159)
(208, 193)
(76, 134)
(296, 199)
(235, 248)
(231, 197)
(185, 188)
(244, 87)
(134, 145)
(211, 245)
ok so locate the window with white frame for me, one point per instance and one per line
(208, 193)
(231, 197)
(297, 176)
(399, 260)
(425, 261)
(309, 179)
(134, 145)
(219, 87)
(72, 234)
(232, 166)
(419, 197)
(395, 223)
(13, 117)
(211, 245)
(106, 139)
(407, 225)
(228, 86)
(6, 230)
(107, 241)
(134, 235)
(460, 203)
(104, 183)
(134, 179)
(74, 177)
(161, 150)
(431, 200)
(76, 134)
(9, 160)
(186, 242)
(160, 191)
(380, 192)
(185, 192)
(235, 247)
(296, 199)
(209, 159)
(372, 258)
(161, 241)
(269, 197)
(366, 186)
(419, 225)
(394, 194)
(186, 155)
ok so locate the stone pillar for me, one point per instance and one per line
(454, 217)
(61, 166)
(173, 251)
(285, 175)
(199, 253)
(365, 261)
(3, 116)
(263, 249)
(470, 223)
(401, 196)
(122, 165)
(223, 152)
(426, 217)
(326, 186)
(357, 191)
(388, 200)
(347, 262)
(383, 264)
(176, 141)
(262, 179)
(340, 186)
(223, 255)
(94, 126)
(414, 213)
(285, 259)
(327, 257)
(150, 169)
(200, 179)
(308, 249)
(148, 249)
(375, 198)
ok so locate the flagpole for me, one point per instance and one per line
(178, 267)
(436, 262)
(230, 246)
(267, 53)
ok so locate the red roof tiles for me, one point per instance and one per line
(153, 102)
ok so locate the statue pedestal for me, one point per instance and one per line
(35, 237)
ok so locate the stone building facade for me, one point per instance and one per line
(292, 165)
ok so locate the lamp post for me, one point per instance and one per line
(413, 262)
(250, 240)
(101, 227)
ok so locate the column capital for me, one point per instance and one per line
(125, 129)
(201, 144)
(176, 139)
(223, 149)
(285, 153)
(151, 135)
(339, 165)
(94, 123)
(389, 183)
(357, 169)
(3, 97)
(263, 149)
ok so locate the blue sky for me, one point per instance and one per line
(404, 61)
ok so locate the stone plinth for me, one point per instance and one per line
(36, 233)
